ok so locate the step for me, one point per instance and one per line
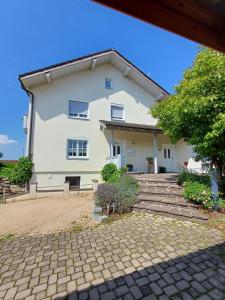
(157, 181)
(166, 201)
(162, 191)
(148, 195)
(171, 211)
(160, 184)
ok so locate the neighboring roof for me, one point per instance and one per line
(110, 55)
(202, 21)
(8, 161)
(123, 126)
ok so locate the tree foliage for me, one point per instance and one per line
(20, 174)
(196, 111)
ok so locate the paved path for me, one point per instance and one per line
(142, 257)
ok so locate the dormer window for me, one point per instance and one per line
(108, 83)
(117, 112)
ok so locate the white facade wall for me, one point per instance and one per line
(52, 127)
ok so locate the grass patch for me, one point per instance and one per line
(77, 227)
(6, 237)
(116, 217)
(217, 221)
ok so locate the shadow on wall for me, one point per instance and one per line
(198, 275)
(87, 86)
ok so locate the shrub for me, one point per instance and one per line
(106, 194)
(127, 190)
(108, 171)
(116, 175)
(186, 176)
(122, 193)
(198, 193)
(21, 173)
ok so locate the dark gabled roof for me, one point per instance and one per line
(89, 56)
(123, 126)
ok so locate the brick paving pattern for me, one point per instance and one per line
(141, 257)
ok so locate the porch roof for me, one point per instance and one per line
(124, 126)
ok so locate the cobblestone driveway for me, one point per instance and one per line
(142, 257)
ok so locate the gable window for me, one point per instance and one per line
(108, 83)
(117, 112)
(77, 148)
(78, 109)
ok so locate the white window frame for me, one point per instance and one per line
(108, 79)
(118, 105)
(77, 139)
(78, 117)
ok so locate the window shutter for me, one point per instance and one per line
(117, 112)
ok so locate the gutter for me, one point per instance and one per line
(30, 94)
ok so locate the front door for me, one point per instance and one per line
(168, 157)
(117, 155)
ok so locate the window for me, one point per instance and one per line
(74, 182)
(117, 112)
(78, 109)
(167, 153)
(77, 148)
(108, 83)
(165, 156)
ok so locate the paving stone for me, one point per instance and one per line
(156, 288)
(108, 296)
(182, 285)
(23, 294)
(170, 290)
(11, 293)
(146, 290)
(216, 294)
(142, 281)
(141, 257)
(93, 294)
(51, 290)
(136, 292)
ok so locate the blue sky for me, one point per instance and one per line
(34, 34)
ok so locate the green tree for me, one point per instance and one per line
(19, 174)
(196, 111)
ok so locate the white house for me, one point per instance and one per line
(88, 111)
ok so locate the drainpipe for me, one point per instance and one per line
(31, 95)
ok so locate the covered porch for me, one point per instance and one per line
(130, 144)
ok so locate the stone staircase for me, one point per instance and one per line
(160, 194)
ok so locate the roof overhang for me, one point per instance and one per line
(123, 126)
(48, 74)
(202, 21)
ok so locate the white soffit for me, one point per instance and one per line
(113, 57)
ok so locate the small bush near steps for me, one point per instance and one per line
(197, 190)
(107, 171)
(198, 193)
(121, 193)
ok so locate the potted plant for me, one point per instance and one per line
(150, 160)
(185, 164)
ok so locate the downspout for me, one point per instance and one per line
(30, 94)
